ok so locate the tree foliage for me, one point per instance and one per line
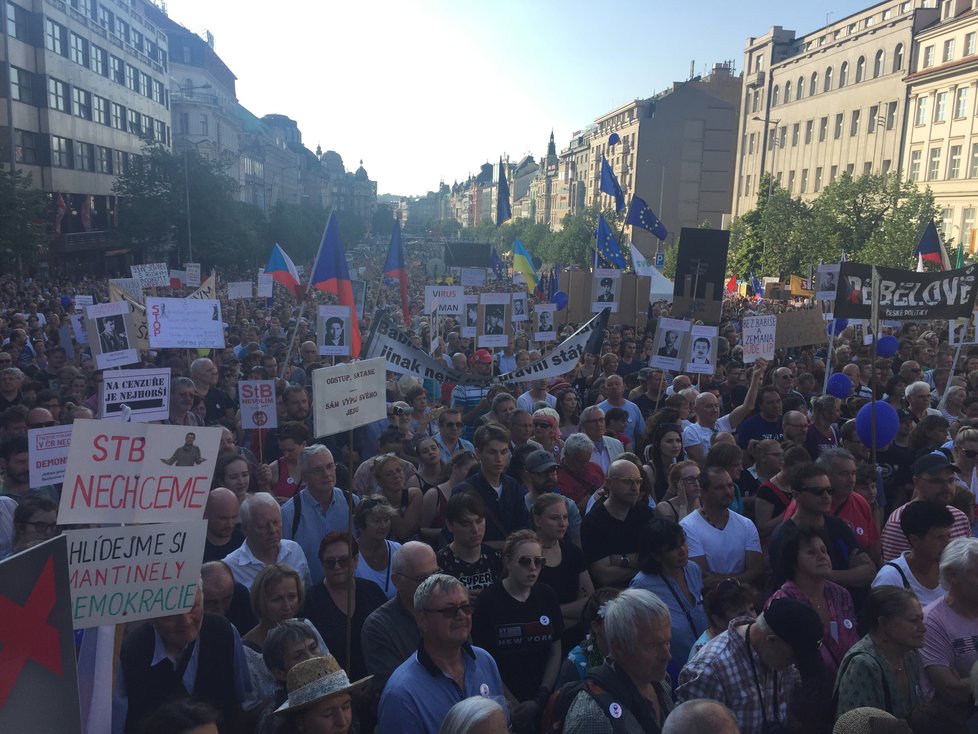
(22, 211)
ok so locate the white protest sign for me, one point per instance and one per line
(112, 334)
(451, 299)
(349, 395)
(132, 573)
(519, 307)
(266, 284)
(193, 274)
(137, 472)
(759, 337)
(152, 275)
(79, 328)
(239, 289)
(48, 454)
(471, 322)
(332, 329)
(83, 300)
(544, 320)
(136, 395)
(184, 323)
(257, 398)
(475, 277)
(702, 353)
(494, 322)
(128, 286)
(670, 342)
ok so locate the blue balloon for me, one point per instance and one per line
(840, 386)
(887, 346)
(836, 326)
(613, 139)
(560, 298)
(887, 424)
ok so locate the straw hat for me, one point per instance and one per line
(314, 680)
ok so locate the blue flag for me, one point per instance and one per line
(610, 185)
(640, 215)
(503, 211)
(756, 285)
(608, 247)
(498, 266)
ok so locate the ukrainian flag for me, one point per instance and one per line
(523, 264)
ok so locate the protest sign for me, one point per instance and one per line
(64, 340)
(963, 331)
(702, 354)
(47, 451)
(135, 395)
(257, 398)
(605, 289)
(79, 328)
(471, 323)
(799, 285)
(348, 396)
(393, 344)
(266, 285)
(701, 266)
(332, 329)
(239, 289)
(544, 319)
(207, 290)
(111, 329)
(185, 323)
(193, 274)
(475, 277)
(83, 300)
(39, 684)
(799, 329)
(670, 342)
(450, 299)
(827, 282)
(178, 278)
(132, 573)
(758, 337)
(137, 472)
(152, 275)
(494, 321)
(520, 310)
(905, 295)
(120, 288)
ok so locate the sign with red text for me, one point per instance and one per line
(47, 451)
(349, 395)
(132, 573)
(758, 337)
(184, 323)
(137, 472)
(257, 398)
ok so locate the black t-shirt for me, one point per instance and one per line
(331, 622)
(218, 552)
(476, 576)
(565, 578)
(895, 463)
(603, 536)
(841, 542)
(518, 634)
(218, 403)
(645, 404)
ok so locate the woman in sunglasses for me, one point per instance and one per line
(330, 603)
(519, 623)
(546, 430)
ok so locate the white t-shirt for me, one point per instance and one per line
(697, 435)
(889, 576)
(526, 401)
(724, 549)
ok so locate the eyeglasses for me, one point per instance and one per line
(817, 491)
(42, 527)
(689, 480)
(452, 612)
(531, 561)
(339, 562)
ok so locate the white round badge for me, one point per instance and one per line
(484, 689)
(615, 710)
(544, 620)
(860, 531)
(847, 623)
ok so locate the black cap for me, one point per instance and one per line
(932, 463)
(539, 461)
(605, 281)
(798, 625)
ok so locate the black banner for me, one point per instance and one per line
(701, 268)
(906, 295)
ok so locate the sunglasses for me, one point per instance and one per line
(817, 491)
(531, 561)
(341, 562)
(452, 612)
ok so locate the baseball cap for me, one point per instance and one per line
(932, 464)
(799, 626)
(539, 461)
(482, 355)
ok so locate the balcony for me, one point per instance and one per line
(756, 80)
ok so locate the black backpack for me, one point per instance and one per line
(561, 700)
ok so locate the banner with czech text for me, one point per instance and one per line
(905, 295)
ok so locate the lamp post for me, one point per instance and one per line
(774, 148)
(187, 92)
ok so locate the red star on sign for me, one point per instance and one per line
(26, 635)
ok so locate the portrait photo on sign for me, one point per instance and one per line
(332, 331)
(544, 315)
(605, 290)
(670, 342)
(494, 322)
(827, 282)
(109, 326)
(963, 331)
(519, 307)
(702, 352)
(470, 317)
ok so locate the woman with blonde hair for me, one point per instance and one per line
(546, 431)
(683, 495)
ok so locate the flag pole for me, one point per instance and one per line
(295, 333)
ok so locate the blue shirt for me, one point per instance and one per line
(448, 452)
(314, 523)
(689, 620)
(418, 695)
(636, 423)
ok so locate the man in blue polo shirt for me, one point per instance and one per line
(445, 669)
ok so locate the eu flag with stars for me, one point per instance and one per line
(498, 266)
(608, 247)
(610, 185)
(640, 215)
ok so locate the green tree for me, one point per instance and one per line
(298, 228)
(382, 221)
(22, 211)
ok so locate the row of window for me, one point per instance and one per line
(948, 49)
(60, 152)
(954, 165)
(922, 114)
(804, 181)
(30, 88)
(878, 119)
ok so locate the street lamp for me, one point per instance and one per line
(187, 92)
(774, 148)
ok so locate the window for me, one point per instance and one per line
(878, 62)
(120, 161)
(203, 125)
(161, 133)
(57, 95)
(118, 70)
(103, 160)
(795, 133)
(833, 173)
(867, 168)
(948, 53)
(947, 219)
(137, 40)
(969, 45)
(21, 85)
(84, 156)
(874, 112)
(934, 163)
(787, 91)
(891, 109)
(135, 122)
(776, 96)
(158, 94)
(747, 186)
(973, 166)
(850, 168)
(132, 77)
(914, 170)
(122, 30)
(100, 110)
(25, 145)
(854, 123)
(860, 69)
(954, 162)
(827, 84)
(144, 84)
(818, 180)
(800, 89)
(81, 103)
(843, 74)
(18, 21)
(886, 165)
(755, 101)
(60, 152)
(750, 143)
(920, 117)
(118, 116)
(968, 226)
(78, 49)
(791, 182)
(783, 137)
(813, 84)
(961, 102)
(106, 19)
(804, 181)
(823, 129)
(928, 57)
(809, 130)
(898, 57)
(837, 132)
(54, 36)
(183, 123)
(940, 108)
(99, 57)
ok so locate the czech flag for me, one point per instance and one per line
(931, 250)
(282, 269)
(396, 268)
(330, 275)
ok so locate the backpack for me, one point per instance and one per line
(561, 700)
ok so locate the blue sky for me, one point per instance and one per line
(428, 90)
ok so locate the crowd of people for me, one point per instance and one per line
(616, 549)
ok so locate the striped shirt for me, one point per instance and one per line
(895, 542)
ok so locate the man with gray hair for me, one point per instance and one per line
(261, 522)
(182, 394)
(635, 688)
(578, 475)
(319, 508)
(701, 716)
(919, 401)
(446, 668)
(605, 449)
(852, 507)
